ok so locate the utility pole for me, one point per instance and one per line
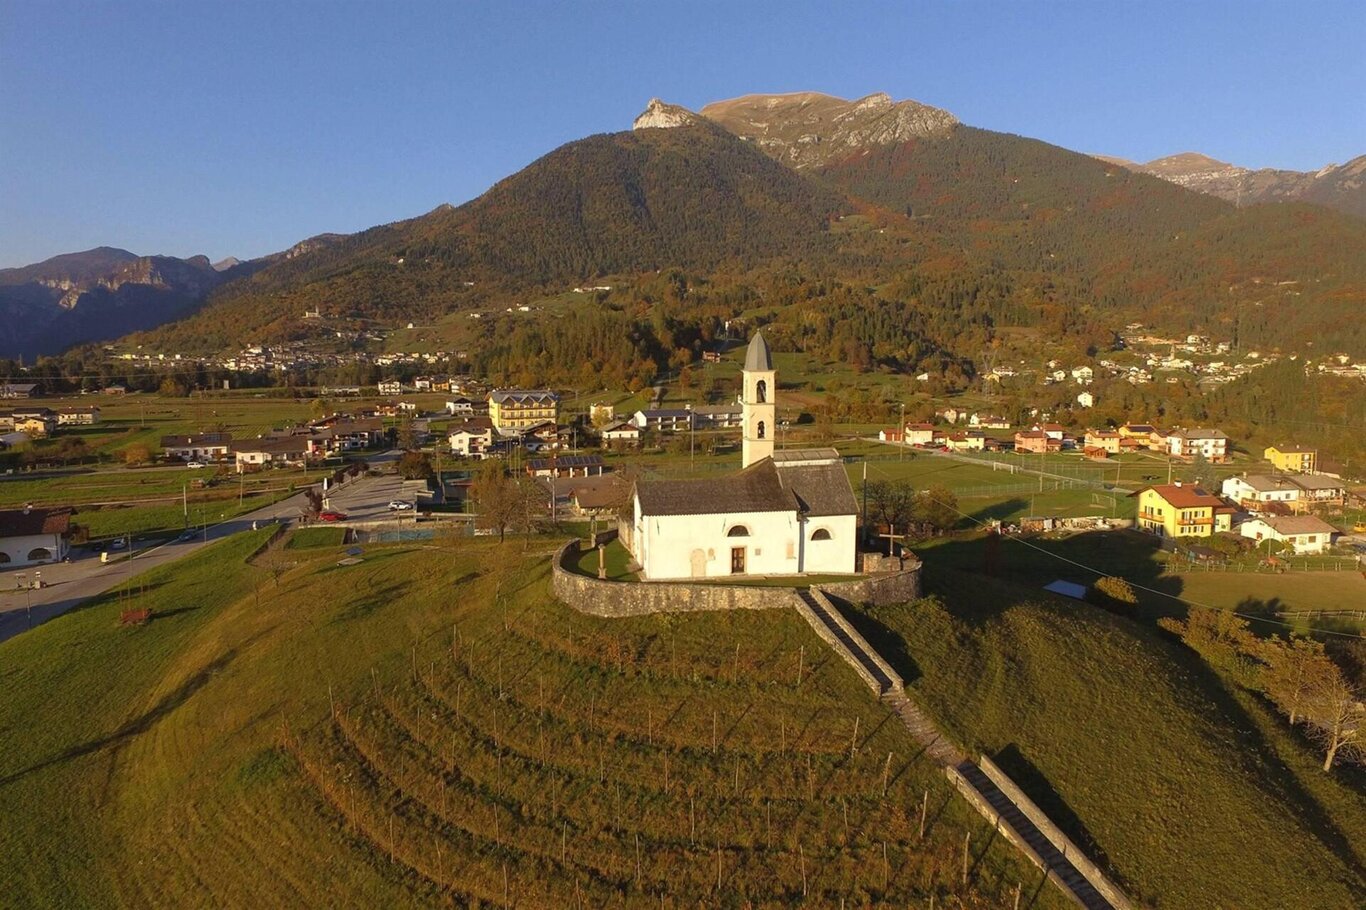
(901, 435)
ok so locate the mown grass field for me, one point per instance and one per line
(1194, 794)
(1036, 561)
(310, 538)
(429, 728)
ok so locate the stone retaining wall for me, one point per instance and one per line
(620, 598)
(880, 590)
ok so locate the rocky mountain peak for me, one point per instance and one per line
(809, 129)
(661, 115)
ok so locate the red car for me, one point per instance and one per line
(330, 515)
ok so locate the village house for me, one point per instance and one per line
(1105, 441)
(621, 434)
(1086, 400)
(203, 445)
(1320, 489)
(1304, 534)
(542, 436)
(950, 415)
(784, 513)
(513, 410)
(969, 441)
(1187, 444)
(460, 407)
(1259, 493)
(601, 414)
(20, 390)
(566, 466)
(1053, 431)
(1176, 510)
(717, 416)
(919, 434)
(1141, 433)
(664, 420)
(390, 387)
(1291, 458)
(78, 417)
(1036, 441)
(30, 536)
(283, 450)
(472, 438)
(1083, 375)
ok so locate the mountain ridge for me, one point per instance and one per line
(1337, 186)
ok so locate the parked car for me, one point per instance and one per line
(118, 544)
(188, 535)
(331, 515)
(195, 464)
(399, 505)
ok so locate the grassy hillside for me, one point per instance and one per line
(423, 729)
(1192, 794)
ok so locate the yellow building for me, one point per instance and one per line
(512, 410)
(1296, 459)
(1175, 510)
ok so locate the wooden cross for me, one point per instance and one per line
(892, 537)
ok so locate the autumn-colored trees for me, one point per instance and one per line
(1295, 673)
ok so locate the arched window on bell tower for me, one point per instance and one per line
(761, 430)
(761, 391)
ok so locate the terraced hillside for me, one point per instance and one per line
(429, 728)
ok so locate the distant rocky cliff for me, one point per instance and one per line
(1342, 187)
(808, 129)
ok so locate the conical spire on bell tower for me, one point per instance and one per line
(757, 402)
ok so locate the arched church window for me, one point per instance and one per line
(761, 391)
(4, 557)
(761, 430)
(39, 553)
(820, 534)
(738, 531)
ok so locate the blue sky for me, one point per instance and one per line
(239, 128)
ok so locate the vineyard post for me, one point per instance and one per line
(886, 771)
(967, 841)
(924, 807)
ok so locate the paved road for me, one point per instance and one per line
(67, 585)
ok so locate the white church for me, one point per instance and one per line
(786, 512)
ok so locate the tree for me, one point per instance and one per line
(1337, 717)
(407, 435)
(1114, 590)
(937, 508)
(1293, 670)
(502, 502)
(415, 466)
(136, 454)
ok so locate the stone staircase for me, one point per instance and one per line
(983, 785)
(1015, 816)
(826, 619)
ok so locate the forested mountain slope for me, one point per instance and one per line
(625, 202)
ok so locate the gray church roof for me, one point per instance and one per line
(758, 357)
(816, 490)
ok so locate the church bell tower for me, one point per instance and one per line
(757, 402)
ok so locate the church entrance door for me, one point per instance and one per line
(737, 560)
